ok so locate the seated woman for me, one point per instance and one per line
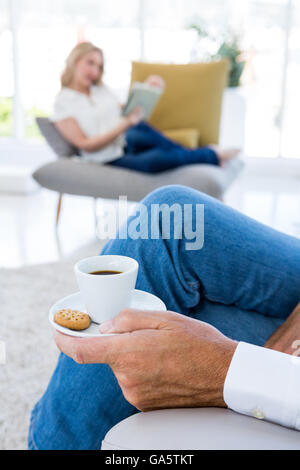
(88, 115)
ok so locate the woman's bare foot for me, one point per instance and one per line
(225, 155)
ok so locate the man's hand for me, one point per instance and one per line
(286, 338)
(161, 359)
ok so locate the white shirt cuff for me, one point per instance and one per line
(264, 383)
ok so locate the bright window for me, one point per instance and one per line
(47, 32)
(6, 75)
(44, 31)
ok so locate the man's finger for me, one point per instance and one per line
(88, 350)
(130, 319)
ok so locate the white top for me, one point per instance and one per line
(96, 114)
(264, 383)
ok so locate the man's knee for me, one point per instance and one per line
(174, 193)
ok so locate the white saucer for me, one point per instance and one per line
(140, 300)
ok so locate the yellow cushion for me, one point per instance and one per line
(187, 137)
(192, 97)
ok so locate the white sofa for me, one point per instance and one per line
(198, 429)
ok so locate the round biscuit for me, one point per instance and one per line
(72, 319)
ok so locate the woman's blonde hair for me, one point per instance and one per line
(75, 55)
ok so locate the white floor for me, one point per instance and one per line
(27, 222)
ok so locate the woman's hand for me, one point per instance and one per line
(156, 80)
(161, 359)
(136, 115)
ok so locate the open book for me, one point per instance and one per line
(144, 95)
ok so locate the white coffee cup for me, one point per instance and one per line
(105, 296)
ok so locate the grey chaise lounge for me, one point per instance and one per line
(68, 175)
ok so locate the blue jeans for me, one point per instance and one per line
(245, 281)
(150, 151)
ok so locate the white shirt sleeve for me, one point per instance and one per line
(264, 383)
(63, 107)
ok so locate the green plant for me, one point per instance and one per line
(230, 50)
(227, 47)
(200, 29)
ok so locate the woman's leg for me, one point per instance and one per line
(157, 159)
(245, 281)
(143, 137)
(157, 152)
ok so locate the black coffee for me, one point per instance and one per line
(105, 273)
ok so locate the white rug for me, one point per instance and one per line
(25, 297)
